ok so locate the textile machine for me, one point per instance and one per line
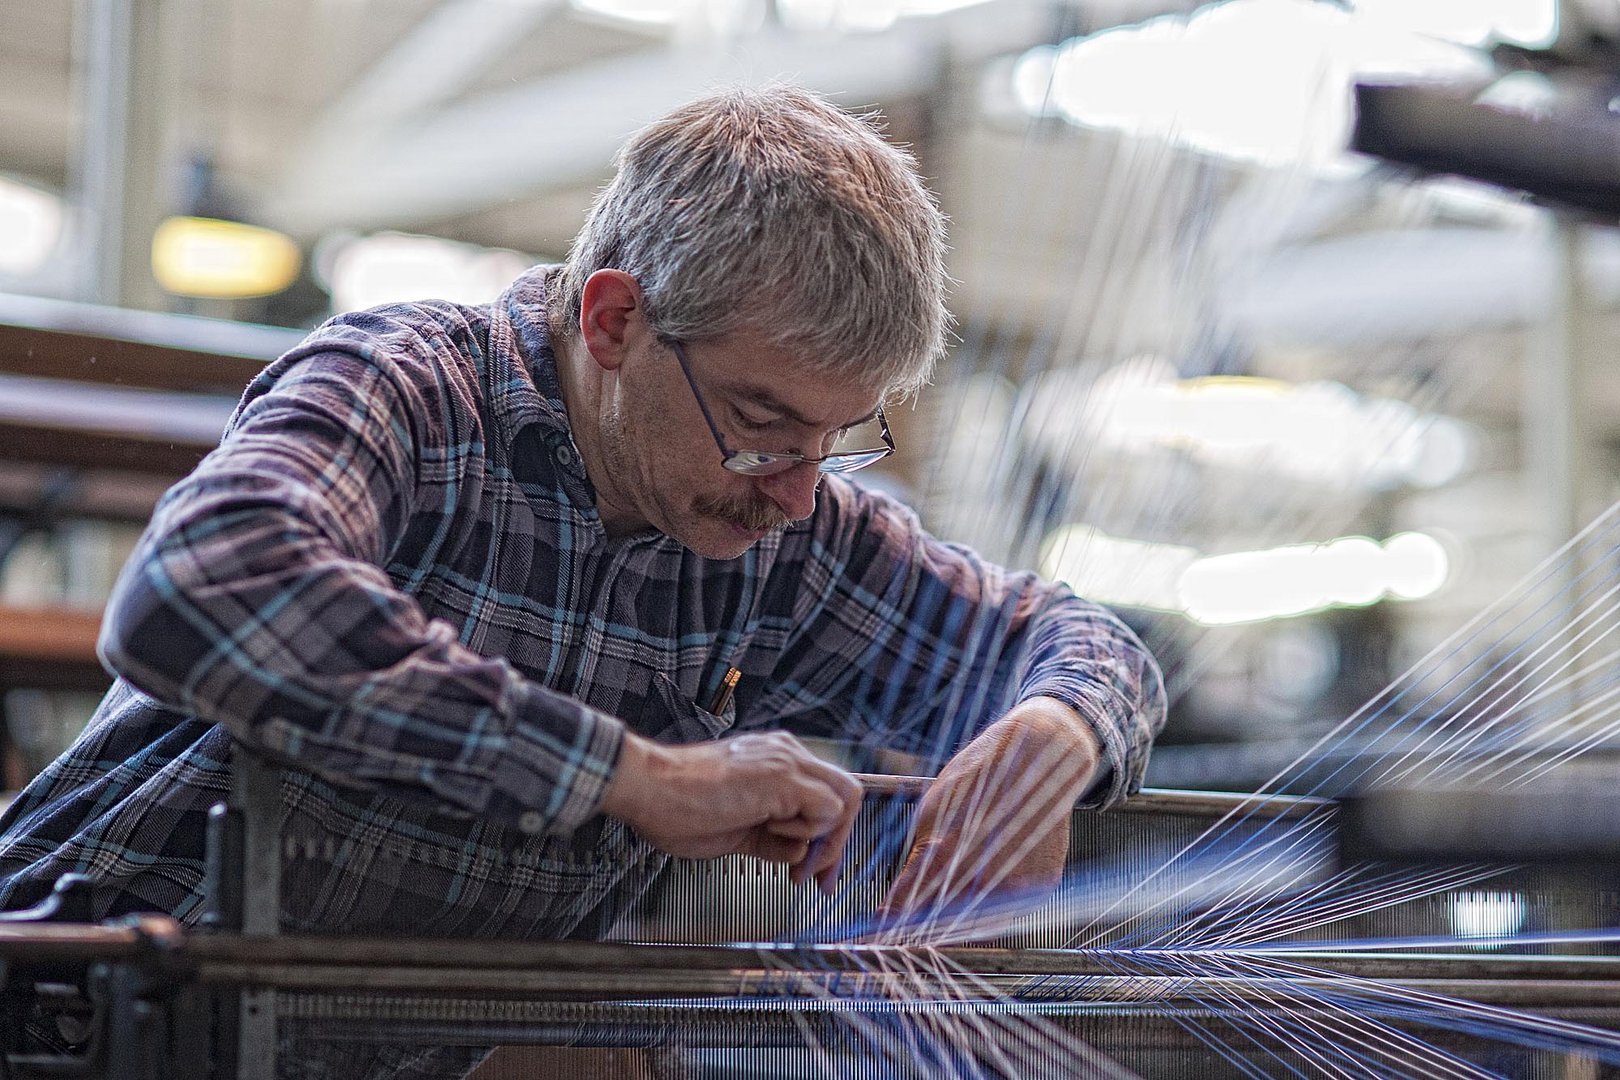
(1113, 977)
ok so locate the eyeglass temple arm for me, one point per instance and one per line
(703, 406)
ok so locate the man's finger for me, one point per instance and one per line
(797, 828)
(828, 853)
(812, 798)
(918, 881)
(781, 849)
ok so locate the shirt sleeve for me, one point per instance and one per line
(892, 637)
(257, 599)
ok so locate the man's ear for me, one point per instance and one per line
(609, 308)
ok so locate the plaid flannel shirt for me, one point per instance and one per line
(391, 576)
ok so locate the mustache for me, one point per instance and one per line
(749, 515)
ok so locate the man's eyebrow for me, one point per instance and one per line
(762, 397)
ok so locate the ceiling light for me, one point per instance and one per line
(1255, 80)
(1320, 432)
(863, 16)
(30, 226)
(808, 15)
(1244, 586)
(207, 257)
(936, 7)
(647, 12)
(388, 268)
(868, 16)
(1415, 565)
(1111, 570)
(1470, 22)
(1352, 571)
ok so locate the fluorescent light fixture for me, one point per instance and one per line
(1352, 571)
(30, 227)
(936, 7)
(1470, 22)
(648, 12)
(1415, 565)
(207, 257)
(1318, 432)
(1245, 586)
(808, 15)
(1033, 76)
(868, 16)
(1111, 570)
(1265, 81)
(1250, 586)
(387, 268)
(860, 16)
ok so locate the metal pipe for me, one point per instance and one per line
(25, 943)
(237, 953)
(107, 42)
(1156, 801)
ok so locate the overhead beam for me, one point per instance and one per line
(562, 131)
(436, 60)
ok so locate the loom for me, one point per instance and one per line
(1075, 989)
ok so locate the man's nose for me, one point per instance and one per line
(793, 491)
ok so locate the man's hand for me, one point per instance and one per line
(762, 794)
(997, 818)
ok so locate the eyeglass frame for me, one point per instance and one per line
(770, 463)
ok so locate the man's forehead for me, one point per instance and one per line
(749, 367)
(810, 399)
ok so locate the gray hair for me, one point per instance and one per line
(773, 211)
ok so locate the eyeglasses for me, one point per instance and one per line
(766, 463)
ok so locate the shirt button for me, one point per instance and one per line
(531, 821)
(564, 456)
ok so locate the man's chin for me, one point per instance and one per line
(719, 538)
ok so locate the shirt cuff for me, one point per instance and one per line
(555, 770)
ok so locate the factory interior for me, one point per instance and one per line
(1281, 329)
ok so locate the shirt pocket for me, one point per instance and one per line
(685, 721)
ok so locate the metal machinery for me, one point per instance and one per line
(144, 998)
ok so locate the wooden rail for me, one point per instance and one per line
(100, 388)
(50, 648)
(80, 342)
(59, 422)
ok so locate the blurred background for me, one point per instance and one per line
(1296, 413)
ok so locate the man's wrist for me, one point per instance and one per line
(626, 796)
(1102, 785)
(1053, 718)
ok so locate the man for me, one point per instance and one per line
(473, 573)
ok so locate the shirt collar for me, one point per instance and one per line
(524, 388)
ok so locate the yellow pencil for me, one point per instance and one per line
(722, 697)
